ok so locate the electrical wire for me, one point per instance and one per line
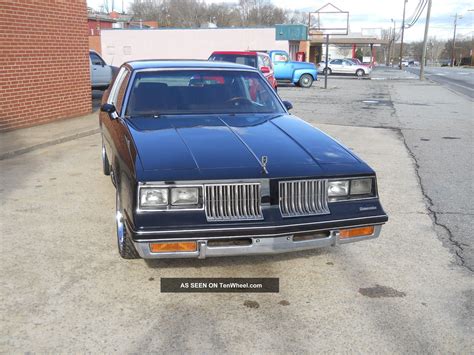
(417, 17)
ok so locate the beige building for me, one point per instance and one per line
(121, 45)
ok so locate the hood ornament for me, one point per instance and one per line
(263, 163)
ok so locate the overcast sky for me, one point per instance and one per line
(376, 14)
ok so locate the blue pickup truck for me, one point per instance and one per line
(299, 73)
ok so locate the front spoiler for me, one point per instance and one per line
(258, 246)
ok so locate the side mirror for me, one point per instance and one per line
(288, 105)
(265, 70)
(110, 109)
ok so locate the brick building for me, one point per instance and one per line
(44, 64)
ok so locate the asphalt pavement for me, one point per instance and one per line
(460, 80)
(65, 289)
(434, 122)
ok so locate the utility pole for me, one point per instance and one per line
(425, 41)
(453, 54)
(403, 32)
(392, 41)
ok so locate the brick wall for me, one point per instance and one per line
(44, 63)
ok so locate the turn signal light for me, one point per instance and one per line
(165, 247)
(356, 232)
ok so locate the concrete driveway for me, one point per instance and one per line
(65, 289)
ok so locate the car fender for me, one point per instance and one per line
(299, 72)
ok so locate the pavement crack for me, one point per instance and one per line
(456, 247)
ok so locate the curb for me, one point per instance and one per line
(14, 153)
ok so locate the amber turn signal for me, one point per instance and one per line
(165, 247)
(356, 232)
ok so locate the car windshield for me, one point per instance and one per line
(155, 93)
(250, 60)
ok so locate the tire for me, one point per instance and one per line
(360, 72)
(306, 80)
(105, 162)
(125, 245)
(328, 70)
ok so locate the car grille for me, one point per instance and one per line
(303, 198)
(229, 202)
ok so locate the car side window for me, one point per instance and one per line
(267, 62)
(280, 57)
(260, 61)
(96, 60)
(336, 61)
(118, 88)
(346, 62)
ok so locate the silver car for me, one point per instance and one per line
(344, 66)
(101, 73)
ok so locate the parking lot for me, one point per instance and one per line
(65, 288)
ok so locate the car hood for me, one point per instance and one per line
(235, 146)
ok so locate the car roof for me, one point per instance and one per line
(244, 53)
(177, 64)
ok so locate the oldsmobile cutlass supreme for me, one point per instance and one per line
(207, 161)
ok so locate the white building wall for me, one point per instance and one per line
(119, 46)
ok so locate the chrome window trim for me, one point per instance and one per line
(168, 208)
(116, 86)
(177, 231)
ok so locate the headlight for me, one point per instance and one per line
(153, 197)
(184, 196)
(338, 188)
(361, 187)
(346, 189)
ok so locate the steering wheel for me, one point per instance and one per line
(239, 100)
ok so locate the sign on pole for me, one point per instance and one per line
(328, 20)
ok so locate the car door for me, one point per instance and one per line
(282, 66)
(348, 67)
(101, 73)
(336, 65)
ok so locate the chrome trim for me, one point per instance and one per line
(259, 246)
(307, 197)
(252, 70)
(178, 231)
(233, 202)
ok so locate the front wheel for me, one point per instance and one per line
(125, 245)
(305, 81)
(360, 72)
(327, 70)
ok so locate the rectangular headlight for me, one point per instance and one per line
(153, 197)
(361, 187)
(184, 196)
(338, 188)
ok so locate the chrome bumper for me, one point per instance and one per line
(259, 246)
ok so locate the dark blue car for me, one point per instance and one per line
(207, 161)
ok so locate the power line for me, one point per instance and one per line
(417, 17)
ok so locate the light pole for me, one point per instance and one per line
(453, 52)
(403, 32)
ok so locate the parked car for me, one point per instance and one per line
(101, 73)
(344, 66)
(202, 169)
(259, 60)
(298, 73)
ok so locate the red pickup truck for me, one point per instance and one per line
(257, 60)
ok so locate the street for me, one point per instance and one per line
(460, 80)
(65, 288)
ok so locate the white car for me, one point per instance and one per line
(344, 66)
(101, 73)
